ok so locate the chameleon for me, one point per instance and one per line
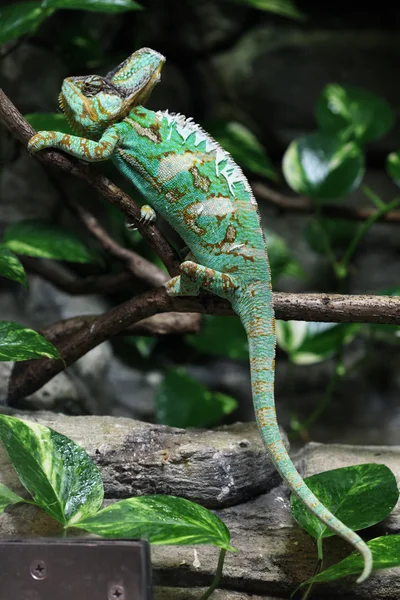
(194, 184)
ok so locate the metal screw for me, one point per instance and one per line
(116, 592)
(38, 569)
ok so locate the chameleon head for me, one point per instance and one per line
(92, 103)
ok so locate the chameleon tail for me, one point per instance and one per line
(255, 310)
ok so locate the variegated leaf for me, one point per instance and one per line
(161, 520)
(58, 474)
(8, 497)
(11, 267)
(18, 343)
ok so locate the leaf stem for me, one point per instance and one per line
(373, 196)
(217, 577)
(363, 229)
(317, 569)
(328, 393)
(320, 549)
(325, 240)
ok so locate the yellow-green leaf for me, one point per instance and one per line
(385, 552)
(160, 520)
(359, 496)
(58, 474)
(19, 343)
(11, 267)
(8, 497)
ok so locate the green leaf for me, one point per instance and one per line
(385, 552)
(18, 19)
(221, 336)
(40, 239)
(161, 520)
(143, 344)
(308, 343)
(359, 496)
(281, 259)
(105, 6)
(338, 232)
(322, 167)
(286, 8)
(8, 497)
(49, 122)
(181, 401)
(59, 475)
(353, 113)
(393, 166)
(11, 267)
(18, 343)
(244, 147)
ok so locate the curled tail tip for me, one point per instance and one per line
(368, 562)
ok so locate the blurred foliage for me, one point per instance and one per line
(182, 401)
(17, 19)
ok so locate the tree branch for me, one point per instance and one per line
(29, 376)
(158, 325)
(21, 129)
(303, 205)
(67, 282)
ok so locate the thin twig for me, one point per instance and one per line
(157, 325)
(64, 280)
(140, 267)
(303, 205)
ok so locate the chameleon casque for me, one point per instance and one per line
(195, 185)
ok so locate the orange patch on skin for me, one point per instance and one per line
(259, 326)
(266, 416)
(190, 215)
(262, 387)
(66, 141)
(84, 146)
(200, 181)
(88, 110)
(227, 283)
(233, 269)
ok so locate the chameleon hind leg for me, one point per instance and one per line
(194, 276)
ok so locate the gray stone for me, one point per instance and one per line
(217, 468)
(273, 556)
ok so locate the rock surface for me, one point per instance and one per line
(274, 554)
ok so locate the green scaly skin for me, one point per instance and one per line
(195, 186)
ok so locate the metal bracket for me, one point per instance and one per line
(75, 569)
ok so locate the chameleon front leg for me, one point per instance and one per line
(79, 147)
(194, 276)
(147, 215)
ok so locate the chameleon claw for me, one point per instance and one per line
(130, 226)
(147, 215)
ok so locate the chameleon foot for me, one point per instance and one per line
(194, 276)
(39, 141)
(147, 216)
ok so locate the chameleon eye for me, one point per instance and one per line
(93, 85)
